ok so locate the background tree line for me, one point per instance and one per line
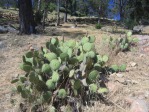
(35, 11)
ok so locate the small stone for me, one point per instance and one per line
(133, 64)
(119, 75)
(112, 86)
(134, 82)
(137, 105)
(142, 55)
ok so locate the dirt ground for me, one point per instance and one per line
(133, 83)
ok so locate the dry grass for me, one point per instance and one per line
(11, 57)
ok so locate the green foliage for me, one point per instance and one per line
(130, 23)
(51, 7)
(116, 68)
(61, 70)
(98, 26)
(122, 44)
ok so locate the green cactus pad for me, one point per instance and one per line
(50, 84)
(25, 67)
(93, 75)
(115, 68)
(80, 57)
(84, 40)
(50, 56)
(71, 73)
(54, 41)
(19, 88)
(64, 56)
(135, 40)
(73, 61)
(87, 47)
(97, 67)
(71, 43)
(129, 34)
(47, 96)
(92, 39)
(126, 46)
(102, 90)
(46, 68)
(33, 78)
(69, 52)
(55, 64)
(52, 109)
(122, 68)
(52, 48)
(105, 58)
(64, 49)
(93, 88)
(62, 93)
(29, 54)
(77, 84)
(91, 54)
(99, 58)
(55, 76)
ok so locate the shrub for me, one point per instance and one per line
(51, 7)
(130, 23)
(98, 26)
(61, 73)
(122, 44)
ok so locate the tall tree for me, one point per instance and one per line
(121, 5)
(58, 12)
(66, 10)
(27, 24)
(46, 3)
(38, 5)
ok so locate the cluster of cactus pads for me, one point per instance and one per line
(62, 70)
(124, 44)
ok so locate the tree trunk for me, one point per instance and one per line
(66, 6)
(27, 24)
(45, 13)
(121, 6)
(39, 5)
(99, 14)
(58, 12)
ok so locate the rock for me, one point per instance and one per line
(7, 28)
(133, 64)
(137, 29)
(2, 44)
(11, 29)
(112, 86)
(3, 29)
(74, 26)
(119, 75)
(106, 29)
(137, 105)
(145, 30)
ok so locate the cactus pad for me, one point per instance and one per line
(62, 93)
(84, 40)
(55, 76)
(55, 64)
(50, 84)
(87, 47)
(50, 56)
(93, 88)
(46, 68)
(93, 75)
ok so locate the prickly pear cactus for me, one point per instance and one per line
(62, 70)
